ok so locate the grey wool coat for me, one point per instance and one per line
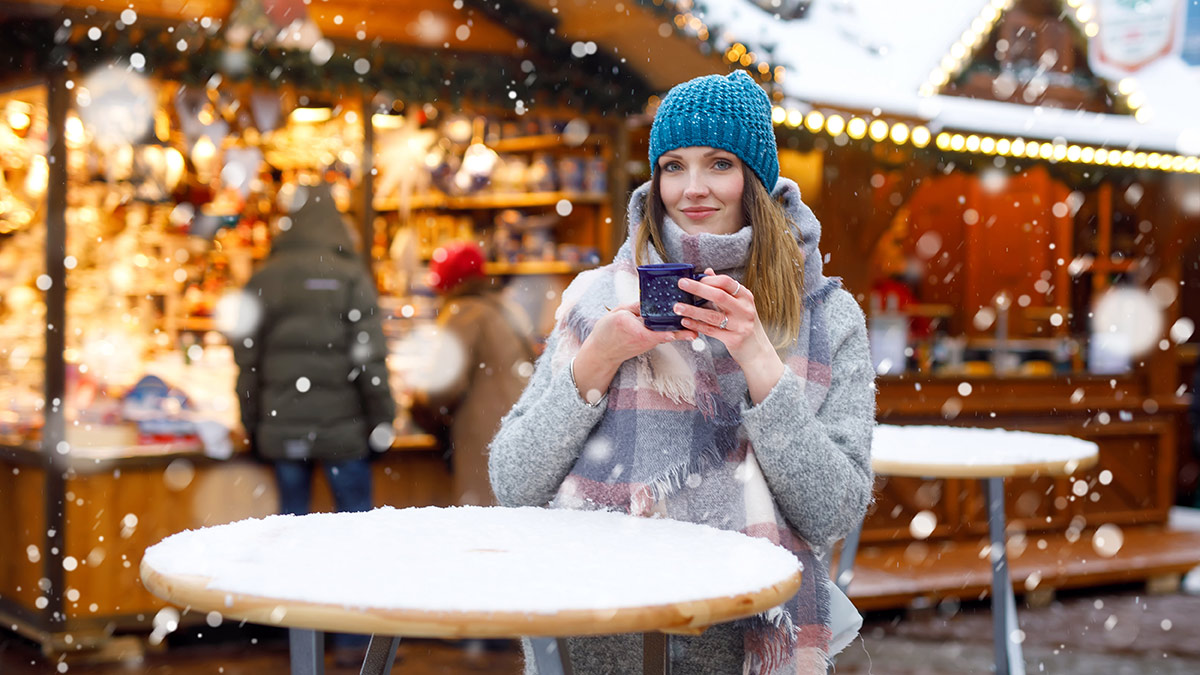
(817, 465)
(312, 380)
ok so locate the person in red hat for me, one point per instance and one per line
(494, 334)
(457, 267)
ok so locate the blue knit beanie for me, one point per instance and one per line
(729, 112)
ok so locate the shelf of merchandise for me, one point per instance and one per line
(197, 323)
(535, 267)
(541, 142)
(515, 200)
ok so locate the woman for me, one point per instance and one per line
(493, 333)
(756, 417)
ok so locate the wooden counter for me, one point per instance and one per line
(118, 503)
(1133, 483)
(1051, 519)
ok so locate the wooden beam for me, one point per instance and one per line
(366, 204)
(854, 219)
(1100, 266)
(645, 39)
(54, 385)
(180, 10)
(1161, 369)
(430, 24)
(892, 575)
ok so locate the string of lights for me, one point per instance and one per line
(835, 123)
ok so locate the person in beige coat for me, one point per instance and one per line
(494, 334)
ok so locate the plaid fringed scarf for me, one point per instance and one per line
(671, 444)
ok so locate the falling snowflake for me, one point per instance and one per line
(1107, 540)
(922, 524)
(1128, 321)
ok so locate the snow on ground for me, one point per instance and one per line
(974, 447)
(474, 559)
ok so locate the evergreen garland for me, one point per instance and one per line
(713, 41)
(589, 84)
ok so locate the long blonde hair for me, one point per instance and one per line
(774, 270)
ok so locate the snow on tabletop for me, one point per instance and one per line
(966, 446)
(474, 559)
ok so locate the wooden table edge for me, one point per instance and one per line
(889, 467)
(691, 617)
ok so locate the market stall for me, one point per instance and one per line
(148, 160)
(979, 211)
(1015, 213)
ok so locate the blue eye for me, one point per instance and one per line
(671, 166)
(723, 164)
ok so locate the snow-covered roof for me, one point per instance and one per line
(868, 54)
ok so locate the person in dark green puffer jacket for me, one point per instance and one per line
(313, 382)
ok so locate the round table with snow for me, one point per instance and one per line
(471, 572)
(990, 455)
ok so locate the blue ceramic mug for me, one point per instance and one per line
(659, 285)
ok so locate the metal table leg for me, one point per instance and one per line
(307, 651)
(845, 568)
(550, 656)
(1009, 657)
(381, 653)
(656, 653)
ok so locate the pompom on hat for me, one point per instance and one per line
(728, 112)
(455, 263)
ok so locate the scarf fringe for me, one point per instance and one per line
(579, 325)
(773, 653)
(668, 373)
(676, 477)
(777, 618)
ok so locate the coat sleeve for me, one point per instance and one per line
(368, 351)
(246, 350)
(818, 466)
(542, 436)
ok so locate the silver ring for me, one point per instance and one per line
(724, 322)
(738, 289)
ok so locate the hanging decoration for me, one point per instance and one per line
(402, 163)
(280, 23)
(192, 53)
(266, 108)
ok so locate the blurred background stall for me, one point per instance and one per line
(1010, 190)
(151, 153)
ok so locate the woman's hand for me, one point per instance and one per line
(617, 337)
(733, 319)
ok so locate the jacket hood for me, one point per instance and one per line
(316, 224)
(804, 224)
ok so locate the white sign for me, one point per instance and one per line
(1134, 33)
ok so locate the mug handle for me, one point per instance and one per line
(697, 300)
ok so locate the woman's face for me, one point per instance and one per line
(701, 188)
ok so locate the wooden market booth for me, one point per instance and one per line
(997, 203)
(930, 189)
(84, 489)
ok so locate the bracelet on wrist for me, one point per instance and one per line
(571, 374)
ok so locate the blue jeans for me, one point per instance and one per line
(350, 482)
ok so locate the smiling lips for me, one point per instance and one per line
(699, 212)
